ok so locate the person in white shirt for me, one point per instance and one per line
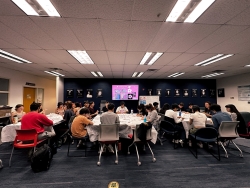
(198, 120)
(152, 115)
(172, 117)
(122, 109)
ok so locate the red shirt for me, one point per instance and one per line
(34, 120)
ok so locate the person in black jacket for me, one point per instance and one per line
(105, 108)
(141, 110)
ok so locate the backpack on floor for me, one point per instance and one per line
(41, 158)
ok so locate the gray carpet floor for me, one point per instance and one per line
(173, 168)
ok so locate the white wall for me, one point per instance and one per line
(17, 82)
(59, 89)
(230, 84)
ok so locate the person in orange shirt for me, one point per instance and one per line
(78, 127)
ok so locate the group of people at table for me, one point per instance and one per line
(36, 119)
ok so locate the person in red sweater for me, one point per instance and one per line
(40, 122)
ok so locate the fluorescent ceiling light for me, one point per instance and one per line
(176, 74)
(48, 7)
(137, 74)
(37, 7)
(177, 10)
(53, 73)
(81, 56)
(144, 59)
(213, 59)
(150, 58)
(94, 74)
(57, 73)
(247, 65)
(212, 75)
(12, 57)
(100, 74)
(197, 12)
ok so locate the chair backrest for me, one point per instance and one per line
(228, 129)
(71, 121)
(108, 132)
(246, 117)
(207, 133)
(171, 120)
(26, 135)
(148, 136)
(162, 116)
(167, 126)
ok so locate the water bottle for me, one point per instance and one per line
(131, 111)
(180, 113)
(145, 119)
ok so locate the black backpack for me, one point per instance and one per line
(41, 158)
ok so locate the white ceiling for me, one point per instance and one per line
(117, 33)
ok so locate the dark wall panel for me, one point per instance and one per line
(144, 85)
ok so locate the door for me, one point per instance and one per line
(29, 95)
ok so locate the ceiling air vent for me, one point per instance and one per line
(152, 70)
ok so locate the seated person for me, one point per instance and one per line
(19, 113)
(86, 104)
(171, 116)
(60, 109)
(78, 126)
(208, 111)
(141, 110)
(68, 113)
(164, 108)
(105, 108)
(219, 116)
(236, 116)
(76, 107)
(190, 106)
(92, 111)
(181, 107)
(122, 109)
(109, 118)
(198, 120)
(35, 120)
(152, 115)
(156, 106)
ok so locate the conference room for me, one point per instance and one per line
(131, 51)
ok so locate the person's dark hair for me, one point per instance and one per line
(233, 109)
(85, 102)
(77, 104)
(107, 101)
(69, 105)
(175, 105)
(18, 106)
(122, 103)
(35, 106)
(215, 107)
(59, 104)
(165, 107)
(149, 107)
(155, 103)
(84, 111)
(209, 103)
(140, 106)
(181, 104)
(111, 106)
(190, 104)
(91, 102)
(196, 108)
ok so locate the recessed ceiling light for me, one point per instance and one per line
(137, 74)
(212, 75)
(247, 65)
(54, 73)
(213, 59)
(197, 12)
(176, 74)
(12, 57)
(97, 74)
(188, 10)
(150, 58)
(177, 10)
(81, 56)
(37, 7)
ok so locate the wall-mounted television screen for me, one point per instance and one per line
(125, 92)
